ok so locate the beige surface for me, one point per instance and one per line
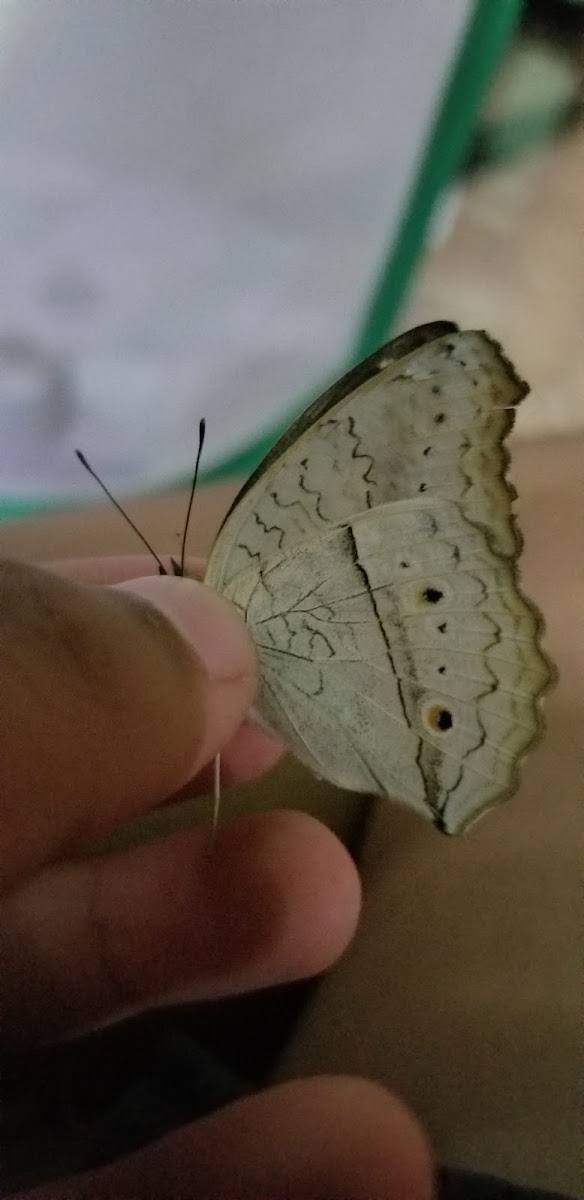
(463, 986)
(514, 264)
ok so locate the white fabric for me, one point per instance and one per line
(196, 199)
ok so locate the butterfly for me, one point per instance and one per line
(373, 555)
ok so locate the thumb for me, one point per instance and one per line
(110, 700)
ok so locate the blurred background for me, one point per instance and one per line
(511, 257)
(213, 210)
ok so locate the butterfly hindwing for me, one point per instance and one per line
(396, 658)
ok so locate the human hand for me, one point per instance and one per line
(112, 699)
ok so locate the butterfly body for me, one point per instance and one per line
(373, 557)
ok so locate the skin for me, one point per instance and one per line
(118, 689)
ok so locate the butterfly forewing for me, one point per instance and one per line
(431, 423)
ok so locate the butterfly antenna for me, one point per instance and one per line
(202, 427)
(127, 519)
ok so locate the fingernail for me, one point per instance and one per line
(208, 622)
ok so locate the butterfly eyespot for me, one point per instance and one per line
(437, 718)
(431, 595)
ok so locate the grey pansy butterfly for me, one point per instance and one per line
(373, 556)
